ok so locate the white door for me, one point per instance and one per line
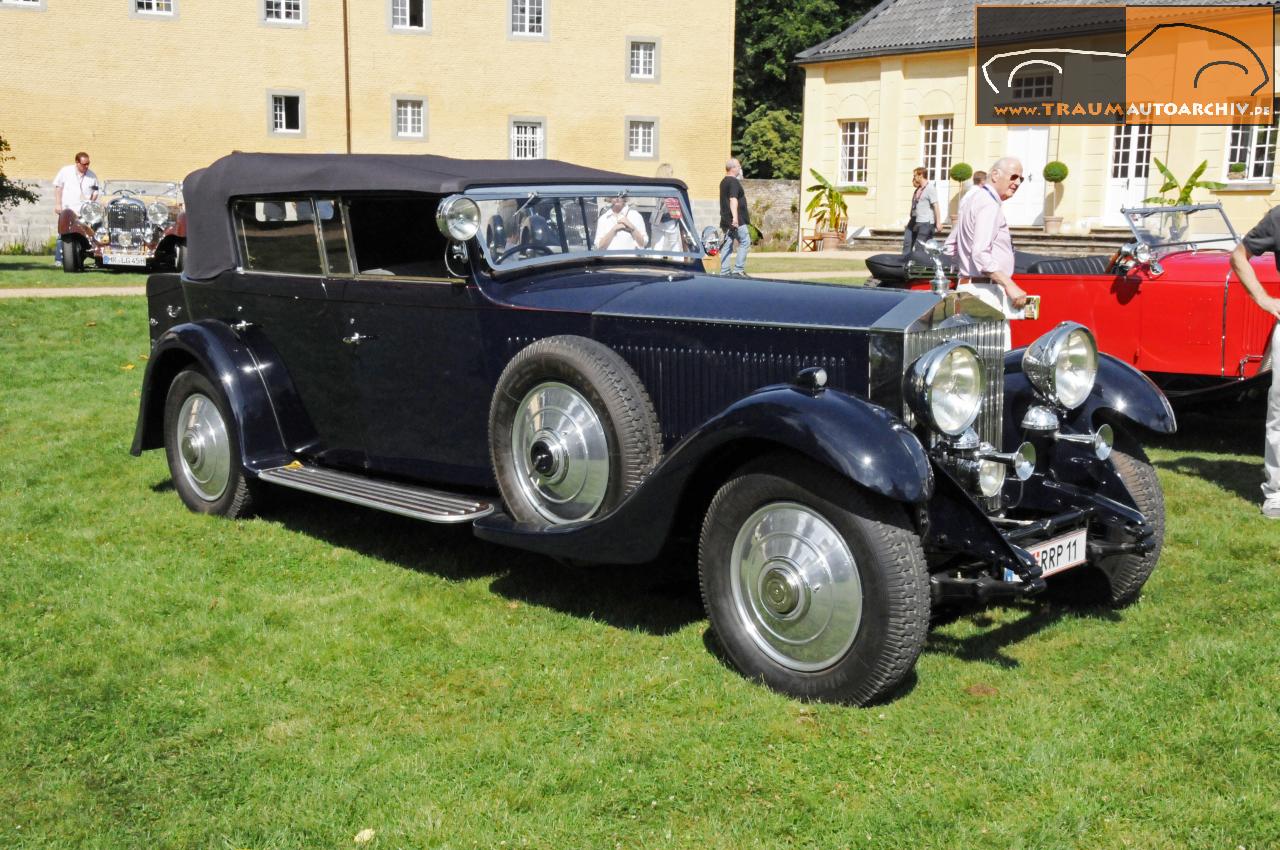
(1031, 145)
(1127, 177)
(935, 156)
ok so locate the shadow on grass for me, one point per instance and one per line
(1237, 477)
(657, 598)
(1235, 428)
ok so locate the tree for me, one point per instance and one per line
(768, 88)
(12, 193)
(1184, 190)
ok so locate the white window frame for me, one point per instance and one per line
(24, 5)
(393, 25)
(409, 99)
(272, 130)
(539, 139)
(855, 152)
(284, 7)
(635, 129)
(519, 25)
(1254, 145)
(136, 10)
(937, 135)
(655, 54)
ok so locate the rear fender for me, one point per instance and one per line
(852, 437)
(215, 349)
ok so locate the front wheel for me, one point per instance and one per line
(72, 255)
(813, 586)
(203, 451)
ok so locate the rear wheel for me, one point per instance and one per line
(202, 448)
(813, 586)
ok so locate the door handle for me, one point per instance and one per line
(357, 338)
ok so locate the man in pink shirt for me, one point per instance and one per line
(981, 243)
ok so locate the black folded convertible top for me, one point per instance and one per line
(208, 191)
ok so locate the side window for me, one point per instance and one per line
(278, 235)
(333, 234)
(396, 236)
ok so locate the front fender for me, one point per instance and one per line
(854, 438)
(213, 348)
(1120, 392)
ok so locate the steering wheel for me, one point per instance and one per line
(530, 248)
(127, 193)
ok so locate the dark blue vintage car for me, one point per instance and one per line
(533, 348)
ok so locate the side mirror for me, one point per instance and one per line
(711, 239)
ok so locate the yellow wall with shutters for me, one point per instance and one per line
(154, 97)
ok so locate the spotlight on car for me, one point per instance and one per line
(1063, 364)
(458, 218)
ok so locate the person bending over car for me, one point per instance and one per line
(1260, 240)
(620, 228)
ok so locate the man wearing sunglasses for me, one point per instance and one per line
(981, 242)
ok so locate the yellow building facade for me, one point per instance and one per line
(896, 104)
(153, 89)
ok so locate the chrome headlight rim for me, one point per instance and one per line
(158, 214)
(458, 218)
(92, 213)
(1048, 360)
(924, 390)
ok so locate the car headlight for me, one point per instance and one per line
(158, 214)
(945, 386)
(1063, 364)
(92, 213)
(458, 217)
(1142, 252)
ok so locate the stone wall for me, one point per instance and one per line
(774, 206)
(30, 225)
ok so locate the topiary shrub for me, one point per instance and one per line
(1055, 172)
(961, 172)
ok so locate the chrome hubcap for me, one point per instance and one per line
(561, 453)
(796, 587)
(204, 450)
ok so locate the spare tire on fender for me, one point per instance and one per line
(571, 431)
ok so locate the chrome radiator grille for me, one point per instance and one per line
(988, 339)
(126, 216)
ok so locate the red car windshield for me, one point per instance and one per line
(1182, 228)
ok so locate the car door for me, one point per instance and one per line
(424, 387)
(286, 311)
(1182, 314)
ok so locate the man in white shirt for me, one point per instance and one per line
(620, 228)
(74, 185)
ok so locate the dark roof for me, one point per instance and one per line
(208, 191)
(921, 26)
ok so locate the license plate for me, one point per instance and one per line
(124, 259)
(1060, 553)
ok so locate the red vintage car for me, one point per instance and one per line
(1162, 302)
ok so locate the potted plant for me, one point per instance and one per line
(828, 211)
(1054, 173)
(959, 172)
(1235, 171)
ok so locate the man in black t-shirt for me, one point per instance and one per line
(1260, 240)
(734, 219)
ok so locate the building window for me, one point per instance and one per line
(1131, 151)
(1255, 146)
(282, 11)
(23, 4)
(153, 7)
(854, 144)
(410, 118)
(1038, 87)
(935, 148)
(527, 139)
(409, 14)
(643, 63)
(642, 138)
(528, 17)
(286, 114)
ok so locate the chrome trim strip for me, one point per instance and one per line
(404, 500)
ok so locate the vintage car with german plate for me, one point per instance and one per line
(138, 225)
(486, 342)
(1163, 302)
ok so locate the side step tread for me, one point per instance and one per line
(403, 499)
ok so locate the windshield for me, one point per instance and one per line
(1187, 228)
(521, 227)
(143, 187)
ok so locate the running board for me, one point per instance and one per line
(403, 499)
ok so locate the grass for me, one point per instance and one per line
(801, 263)
(35, 271)
(175, 681)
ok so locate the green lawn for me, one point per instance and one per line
(176, 681)
(21, 272)
(798, 263)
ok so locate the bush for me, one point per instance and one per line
(961, 172)
(1236, 168)
(1055, 172)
